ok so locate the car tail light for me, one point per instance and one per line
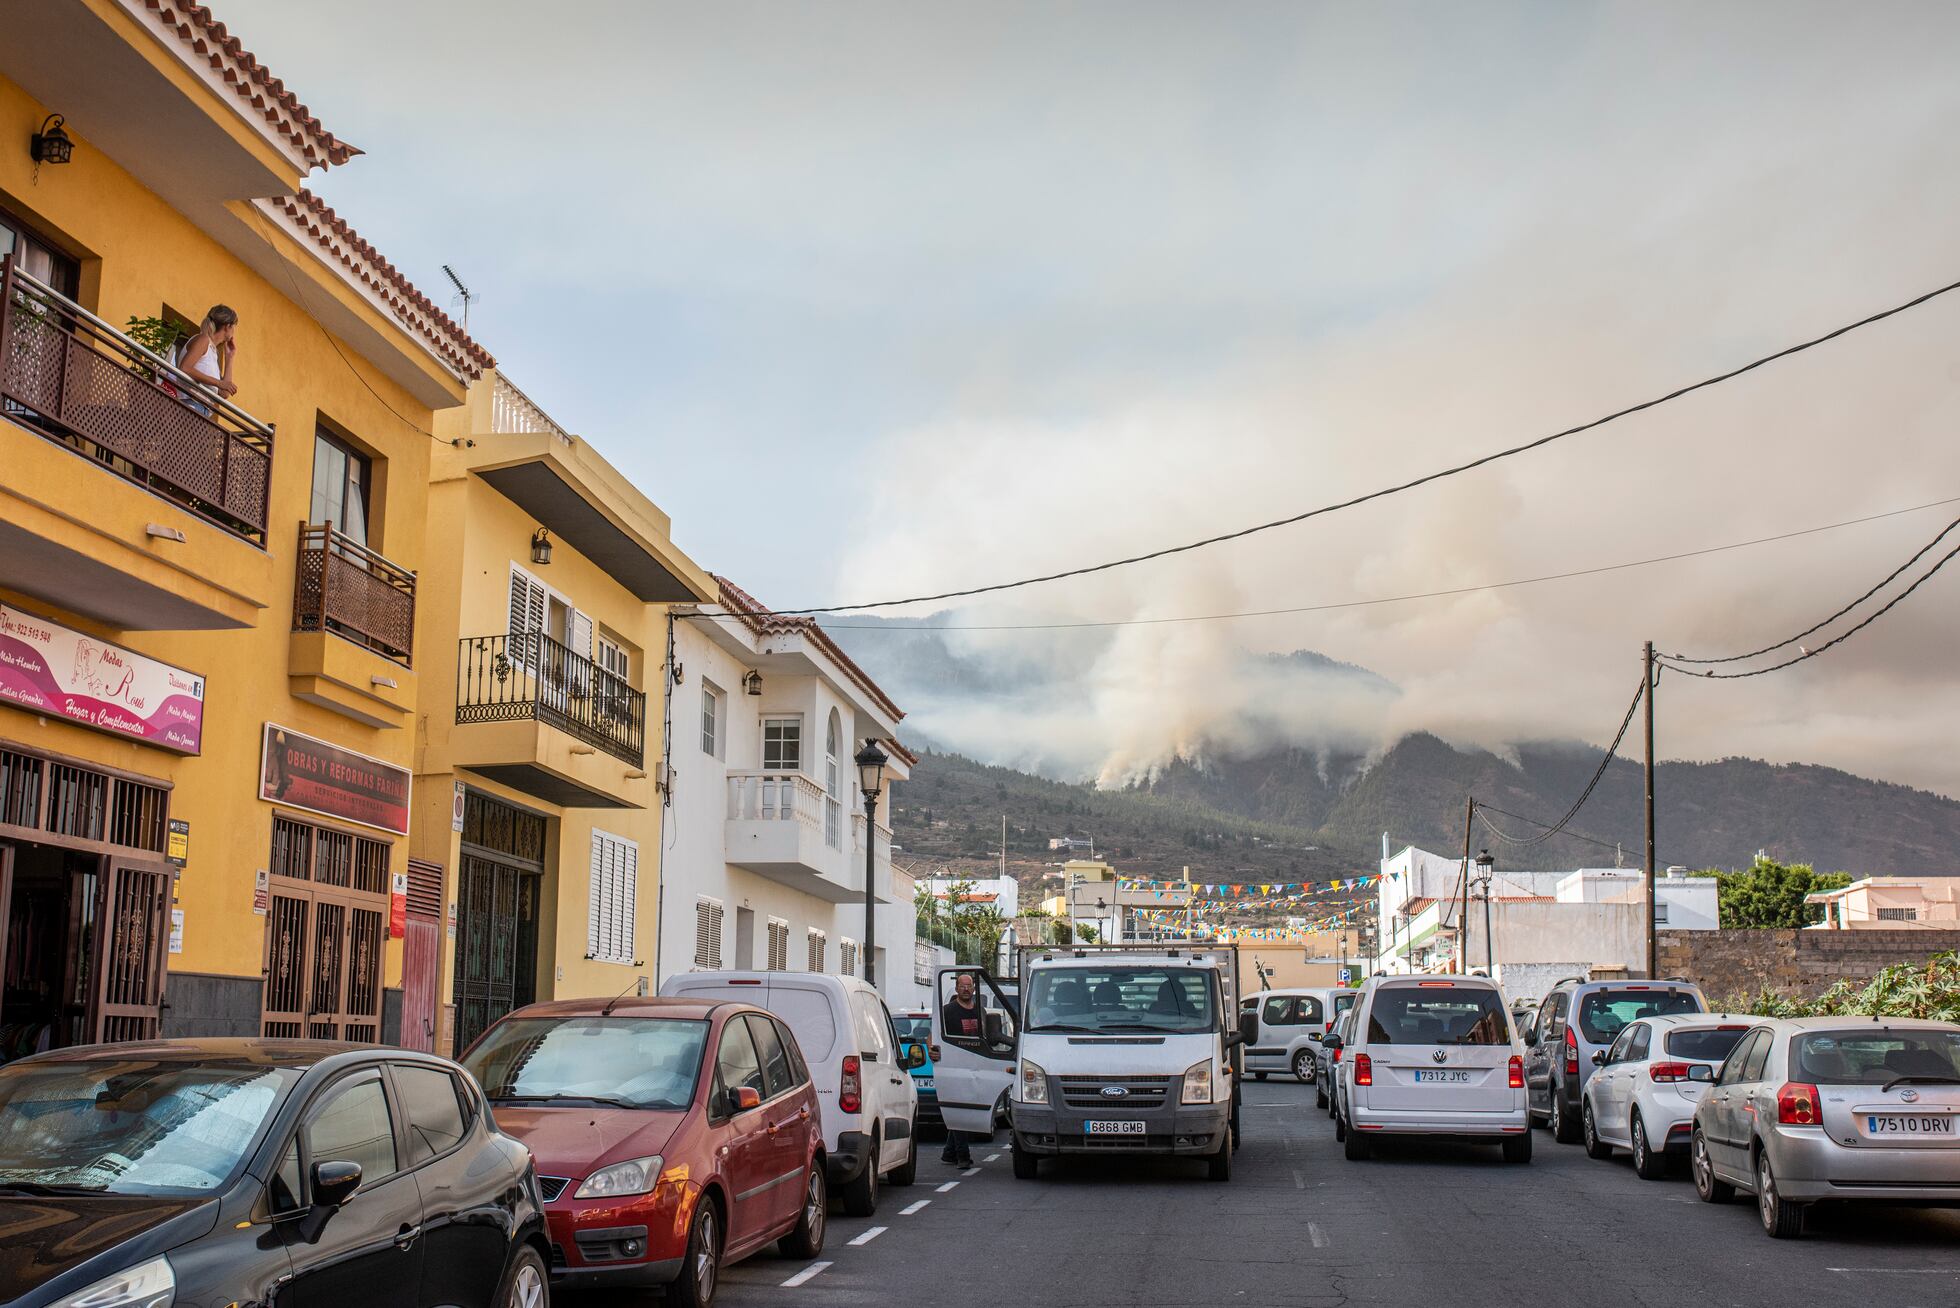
(1571, 1053)
(1517, 1072)
(1337, 1056)
(1668, 1071)
(1797, 1105)
(850, 1090)
(1364, 1070)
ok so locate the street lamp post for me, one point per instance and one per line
(1485, 866)
(871, 774)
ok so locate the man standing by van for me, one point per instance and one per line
(963, 1019)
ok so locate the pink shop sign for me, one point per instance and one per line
(50, 669)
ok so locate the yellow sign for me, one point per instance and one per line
(177, 843)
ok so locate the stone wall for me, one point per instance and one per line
(1800, 964)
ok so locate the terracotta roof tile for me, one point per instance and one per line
(333, 235)
(762, 622)
(252, 81)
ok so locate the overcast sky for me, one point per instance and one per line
(875, 298)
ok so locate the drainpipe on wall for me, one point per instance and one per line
(666, 784)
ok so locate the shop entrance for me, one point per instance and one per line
(497, 887)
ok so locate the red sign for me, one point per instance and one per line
(323, 778)
(398, 906)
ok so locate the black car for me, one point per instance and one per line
(249, 1172)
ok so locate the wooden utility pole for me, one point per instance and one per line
(1647, 696)
(1463, 917)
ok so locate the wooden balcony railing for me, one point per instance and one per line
(530, 675)
(342, 586)
(78, 381)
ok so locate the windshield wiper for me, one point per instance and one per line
(608, 1100)
(1149, 1026)
(1919, 1080)
(40, 1191)
(1063, 1026)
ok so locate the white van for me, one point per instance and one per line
(1292, 1023)
(861, 1069)
(1434, 1056)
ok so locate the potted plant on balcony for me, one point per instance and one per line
(160, 336)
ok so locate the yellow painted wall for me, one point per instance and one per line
(139, 255)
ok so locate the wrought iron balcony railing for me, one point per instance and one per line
(342, 586)
(78, 381)
(530, 675)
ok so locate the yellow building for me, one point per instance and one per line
(542, 648)
(207, 607)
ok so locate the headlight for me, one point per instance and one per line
(1197, 1083)
(149, 1285)
(1034, 1083)
(634, 1176)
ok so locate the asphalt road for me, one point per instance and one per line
(1438, 1226)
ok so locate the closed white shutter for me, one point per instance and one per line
(707, 932)
(816, 945)
(614, 899)
(581, 634)
(778, 945)
(847, 958)
(527, 609)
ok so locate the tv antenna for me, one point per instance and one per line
(462, 291)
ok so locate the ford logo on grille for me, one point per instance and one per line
(1439, 1056)
(1114, 1092)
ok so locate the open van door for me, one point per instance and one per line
(973, 1048)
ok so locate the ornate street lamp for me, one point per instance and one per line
(1485, 865)
(51, 145)
(871, 779)
(541, 547)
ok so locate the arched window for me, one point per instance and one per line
(833, 807)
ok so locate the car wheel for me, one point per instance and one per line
(1564, 1129)
(1711, 1188)
(1319, 1093)
(861, 1192)
(1647, 1165)
(1781, 1218)
(524, 1284)
(908, 1171)
(1340, 1125)
(1219, 1166)
(1357, 1148)
(1595, 1147)
(1517, 1148)
(1303, 1068)
(806, 1241)
(701, 1267)
(1026, 1165)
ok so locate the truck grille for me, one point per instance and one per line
(1139, 1092)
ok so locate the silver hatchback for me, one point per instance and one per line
(1833, 1108)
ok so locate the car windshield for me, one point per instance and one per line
(1120, 999)
(1876, 1057)
(912, 1027)
(1432, 1014)
(636, 1062)
(132, 1126)
(1603, 1012)
(1707, 1046)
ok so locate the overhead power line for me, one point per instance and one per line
(1383, 599)
(1569, 835)
(1386, 491)
(1552, 830)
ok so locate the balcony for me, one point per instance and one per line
(79, 382)
(783, 826)
(342, 586)
(535, 715)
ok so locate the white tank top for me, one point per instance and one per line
(206, 368)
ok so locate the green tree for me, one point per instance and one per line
(1771, 894)
(1087, 932)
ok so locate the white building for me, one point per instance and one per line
(1543, 925)
(764, 865)
(1002, 894)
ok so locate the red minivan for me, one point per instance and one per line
(672, 1136)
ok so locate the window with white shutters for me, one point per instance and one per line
(817, 944)
(611, 904)
(707, 932)
(847, 958)
(529, 601)
(778, 945)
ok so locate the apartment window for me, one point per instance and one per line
(1898, 915)
(707, 932)
(38, 258)
(847, 958)
(1660, 913)
(782, 744)
(611, 656)
(816, 945)
(713, 704)
(778, 945)
(342, 477)
(610, 906)
(833, 807)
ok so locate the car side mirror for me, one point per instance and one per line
(742, 1098)
(1332, 1042)
(1248, 1028)
(915, 1055)
(994, 1030)
(1700, 1072)
(1531, 1039)
(334, 1183)
(1599, 1058)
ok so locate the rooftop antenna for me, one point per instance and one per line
(462, 291)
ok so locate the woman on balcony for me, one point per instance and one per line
(208, 356)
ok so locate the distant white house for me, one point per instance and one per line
(1000, 893)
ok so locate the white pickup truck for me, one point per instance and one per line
(1127, 1049)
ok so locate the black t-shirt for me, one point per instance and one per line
(962, 1022)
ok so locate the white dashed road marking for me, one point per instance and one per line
(971, 1171)
(949, 1185)
(1318, 1236)
(812, 1270)
(913, 1208)
(870, 1235)
(993, 1158)
(1299, 1181)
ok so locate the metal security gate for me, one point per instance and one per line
(496, 913)
(326, 924)
(135, 939)
(422, 956)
